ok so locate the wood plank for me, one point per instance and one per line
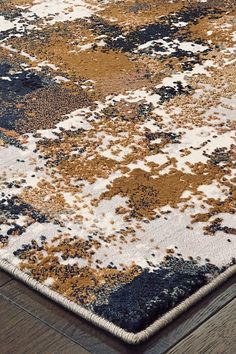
(20, 333)
(79, 330)
(217, 335)
(4, 277)
(98, 341)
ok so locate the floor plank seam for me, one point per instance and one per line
(42, 321)
(6, 282)
(197, 326)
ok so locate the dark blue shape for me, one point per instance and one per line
(150, 295)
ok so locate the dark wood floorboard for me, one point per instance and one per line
(99, 342)
(21, 333)
(4, 278)
(215, 336)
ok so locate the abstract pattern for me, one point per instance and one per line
(117, 149)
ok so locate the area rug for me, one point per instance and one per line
(117, 155)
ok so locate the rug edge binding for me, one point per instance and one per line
(128, 337)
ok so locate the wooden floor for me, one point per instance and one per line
(32, 324)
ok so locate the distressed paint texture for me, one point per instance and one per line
(117, 149)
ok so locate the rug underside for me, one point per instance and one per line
(117, 154)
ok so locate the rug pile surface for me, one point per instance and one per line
(117, 153)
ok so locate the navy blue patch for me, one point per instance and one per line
(150, 295)
(19, 84)
(165, 28)
(13, 87)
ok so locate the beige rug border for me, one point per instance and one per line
(131, 338)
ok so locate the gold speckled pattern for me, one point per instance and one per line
(117, 149)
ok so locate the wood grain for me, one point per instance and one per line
(65, 322)
(4, 277)
(97, 341)
(21, 333)
(217, 335)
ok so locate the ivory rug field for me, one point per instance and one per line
(117, 154)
